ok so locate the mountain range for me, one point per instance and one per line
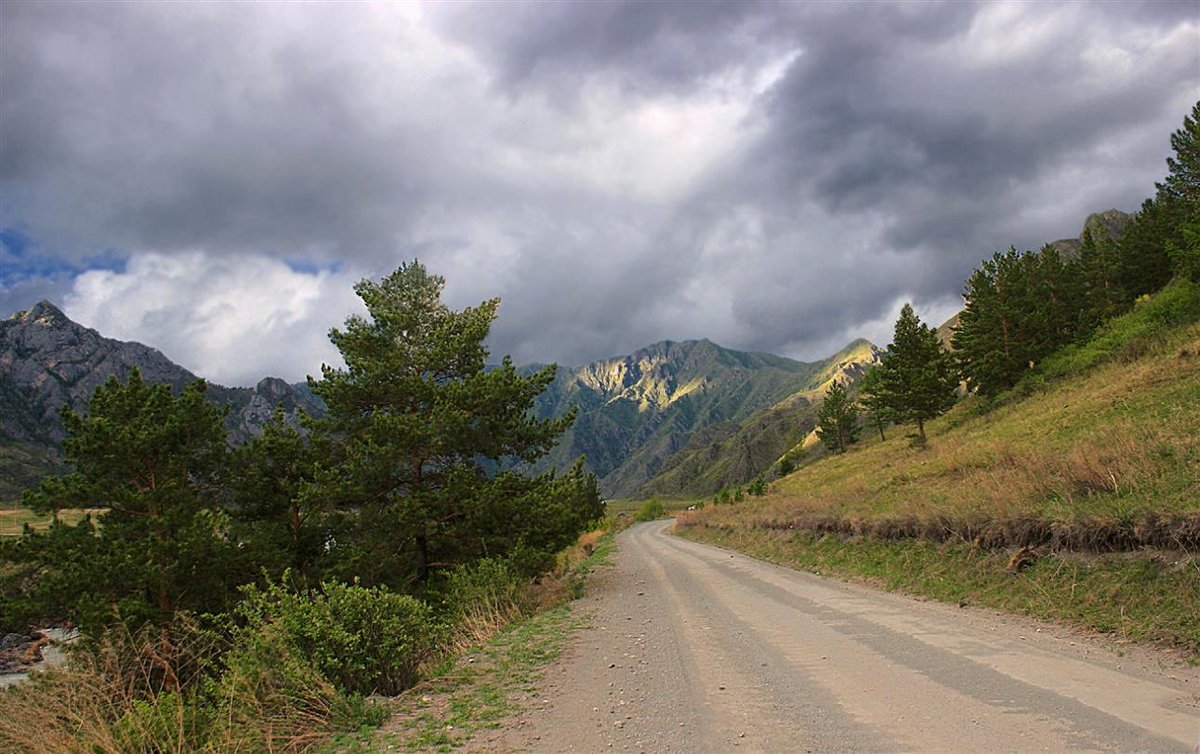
(640, 416)
(673, 418)
(700, 416)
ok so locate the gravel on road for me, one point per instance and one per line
(691, 648)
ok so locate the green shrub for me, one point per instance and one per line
(650, 510)
(269, 696)
(361, 640)
(787, 465)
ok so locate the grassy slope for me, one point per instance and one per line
(1103, 436)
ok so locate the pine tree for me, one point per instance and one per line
(1103, 271)
(918, 381)
(992, 340)
(873, 401)
(151, 462)
(1141, 256)
(1183, 170)
(1180, 192)
(281, 516)
(423, 425)
(837, 419)
(1058, 297)
(1185, 253)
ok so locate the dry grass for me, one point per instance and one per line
(147, 692)
(13, 520)
(1122, 442)
(491, 610)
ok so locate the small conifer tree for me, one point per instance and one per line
(837, 419)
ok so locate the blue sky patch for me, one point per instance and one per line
(310, 267)
(22, 260)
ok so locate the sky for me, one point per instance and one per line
(211, 179)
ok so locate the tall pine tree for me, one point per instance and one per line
(151, 462)
(873, 400)
(424, 424)
(991, 341)
(1181, 191)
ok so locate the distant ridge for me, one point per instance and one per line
(637, 412)
(735, 453)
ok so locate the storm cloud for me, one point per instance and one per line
(776, 177)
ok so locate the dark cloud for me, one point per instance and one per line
(166, 127)
(773, 176)
(645, 47)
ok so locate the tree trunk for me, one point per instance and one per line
(422, 558)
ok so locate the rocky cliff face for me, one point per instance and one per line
(48, 361)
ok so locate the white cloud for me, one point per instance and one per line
(233, 321)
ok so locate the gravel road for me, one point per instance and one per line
(695, 649)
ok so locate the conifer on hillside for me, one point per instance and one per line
(918, 380)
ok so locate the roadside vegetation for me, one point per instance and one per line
(1066, 483)
(494, 677)
(257, 598)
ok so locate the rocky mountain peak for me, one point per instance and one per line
(43, 314)
(1108, 225)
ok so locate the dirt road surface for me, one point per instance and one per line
(696, 649)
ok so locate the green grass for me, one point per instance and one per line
(481, 689)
